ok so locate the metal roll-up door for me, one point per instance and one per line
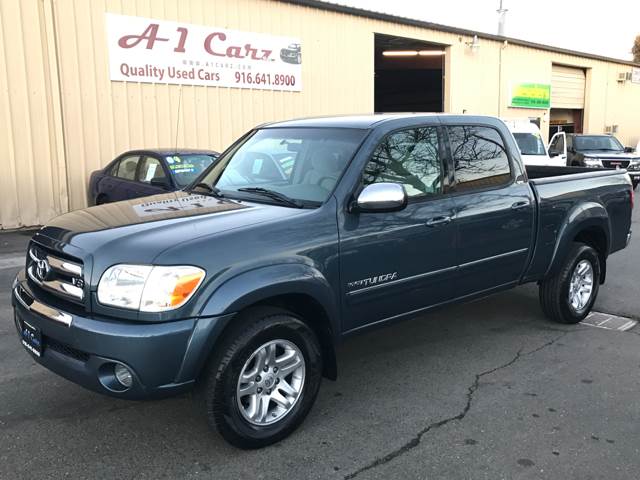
(567, 87)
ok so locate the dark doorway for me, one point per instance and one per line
(408, 75)
(565, 120)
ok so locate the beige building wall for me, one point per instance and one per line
(33, 175)
(65, 118)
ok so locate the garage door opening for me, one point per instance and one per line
(408, 75)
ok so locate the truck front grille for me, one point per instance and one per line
(615, 163)
(59, 276)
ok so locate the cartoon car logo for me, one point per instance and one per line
(292, 54)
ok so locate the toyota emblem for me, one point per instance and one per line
(42, 269)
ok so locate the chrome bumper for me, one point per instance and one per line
(35, 306)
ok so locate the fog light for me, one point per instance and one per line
(123, 374)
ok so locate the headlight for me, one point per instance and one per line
(592, 162)
(148, 288)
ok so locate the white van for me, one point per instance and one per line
(532, 149)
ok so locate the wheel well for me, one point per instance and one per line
(596, 239)
(313, 313)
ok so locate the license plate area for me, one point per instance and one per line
(30, 337)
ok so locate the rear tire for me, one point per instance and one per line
(569, 295)
(236, 414)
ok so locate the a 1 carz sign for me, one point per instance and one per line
(159, 51)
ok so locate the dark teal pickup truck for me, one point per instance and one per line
(304, 232)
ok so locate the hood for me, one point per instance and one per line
(610, 154)
(140, 229)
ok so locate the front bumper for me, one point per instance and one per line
(164, 358)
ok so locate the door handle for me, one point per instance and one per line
(437, 221)
(519, 205)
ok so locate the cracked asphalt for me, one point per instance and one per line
(486, 390)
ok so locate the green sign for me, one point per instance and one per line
(531, 95)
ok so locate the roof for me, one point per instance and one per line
(371, 120)
(339, 121)
(175, 151)
(359, 12)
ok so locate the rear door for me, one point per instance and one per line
(394, 263)
(124, 183)
(494, 209)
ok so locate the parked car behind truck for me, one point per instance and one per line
(305, 232)
(595, 151)
(139, 173)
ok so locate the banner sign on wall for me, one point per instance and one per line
(531, 95)
(159, 51)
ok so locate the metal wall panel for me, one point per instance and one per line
(32, 179)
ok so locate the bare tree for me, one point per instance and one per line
(635, 50)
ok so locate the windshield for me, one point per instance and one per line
(302, 163)
(186, 168)
(530, 143)
(598, 142)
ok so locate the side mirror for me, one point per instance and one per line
(629, 150)
(381, 197)
(553, 152)
(160, 182)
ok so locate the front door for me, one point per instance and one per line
(558, 148)
(400, 262)
(494, 211)
(151, 169)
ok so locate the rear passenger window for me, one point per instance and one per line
(480, 157)
(410, 157)
(127, 168)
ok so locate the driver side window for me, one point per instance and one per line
(557, 144)
(411, 158)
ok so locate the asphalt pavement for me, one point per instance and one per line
(486, 390)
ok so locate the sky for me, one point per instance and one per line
(592, 26)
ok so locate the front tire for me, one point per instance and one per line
(263, 379)
(569, 295)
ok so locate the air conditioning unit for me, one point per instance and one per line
(624, 76)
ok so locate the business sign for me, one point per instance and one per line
(159, 51)
(531, 95)
(635, 75)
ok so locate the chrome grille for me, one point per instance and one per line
(610, 163)
(57, 275)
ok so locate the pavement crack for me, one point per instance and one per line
(471, 390)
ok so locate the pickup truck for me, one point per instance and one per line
(305, 232)
(595, 151)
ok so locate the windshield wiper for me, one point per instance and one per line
(213, 191)
(280, 197)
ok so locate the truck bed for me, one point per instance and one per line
(566, 193)
(548, 174)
